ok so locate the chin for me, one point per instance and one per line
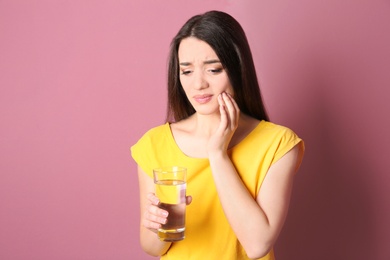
(207, 111)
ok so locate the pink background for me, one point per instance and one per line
(81, 81)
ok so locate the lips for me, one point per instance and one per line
(202, 99)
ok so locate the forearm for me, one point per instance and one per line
(151, 244)
(246, 217)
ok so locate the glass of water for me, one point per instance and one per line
(171, 186)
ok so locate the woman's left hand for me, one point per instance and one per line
(230, 113)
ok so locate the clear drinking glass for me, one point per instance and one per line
(171, 185)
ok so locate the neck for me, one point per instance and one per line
(205, 125)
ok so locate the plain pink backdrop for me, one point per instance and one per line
(81, 81)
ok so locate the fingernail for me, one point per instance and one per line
(165, 214)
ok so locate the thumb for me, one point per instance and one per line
(188, 200)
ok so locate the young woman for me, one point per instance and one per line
(240, 166)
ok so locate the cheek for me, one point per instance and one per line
(224, 83)
(226, 86)
(184, 83)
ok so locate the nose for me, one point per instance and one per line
(200, 81)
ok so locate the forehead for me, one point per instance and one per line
(192, 49)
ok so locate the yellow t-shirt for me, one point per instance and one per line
(208, 234)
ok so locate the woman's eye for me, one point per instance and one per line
(215, 71)
(185, 72)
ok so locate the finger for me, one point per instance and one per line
(155, 216)
(158, 212)
(237, 109)
(188, 200)
(231, 109)
(223, 112)
(152, 198)
(233, 102)
(153, 226)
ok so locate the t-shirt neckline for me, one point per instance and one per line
(174, 144)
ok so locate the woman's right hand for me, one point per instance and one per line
(153, 216)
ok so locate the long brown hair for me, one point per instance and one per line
(227, 38)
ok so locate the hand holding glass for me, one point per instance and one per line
(171, 190)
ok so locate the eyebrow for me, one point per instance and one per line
(205, 62)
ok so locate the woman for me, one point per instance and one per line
(240, 166)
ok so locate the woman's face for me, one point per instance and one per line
(202, 75)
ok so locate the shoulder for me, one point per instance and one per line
(274, 138)
(144, 149)
(271, 130)
(156, 131)
(273, 127)
(283, 139)
(151, 135)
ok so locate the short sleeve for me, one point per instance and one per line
(288, 140)
(147, 151)
(139, 155)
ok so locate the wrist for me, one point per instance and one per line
(218, 155)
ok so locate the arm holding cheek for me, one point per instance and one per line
(256, 222)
